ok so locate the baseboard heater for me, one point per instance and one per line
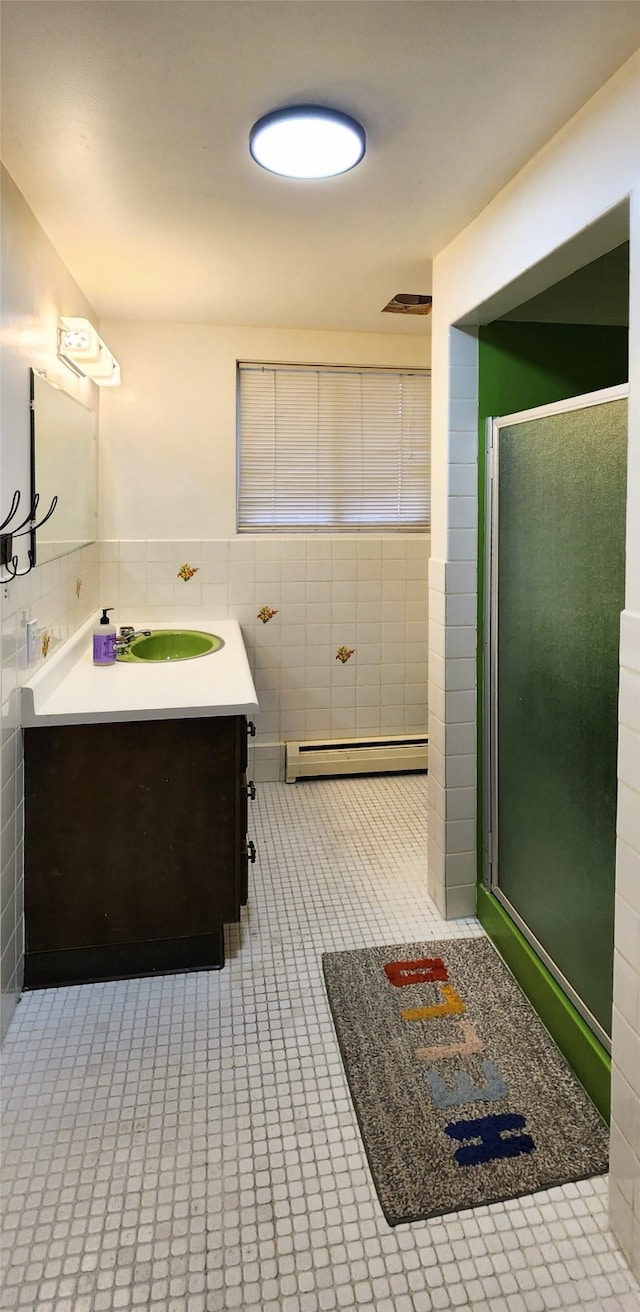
(336, 756)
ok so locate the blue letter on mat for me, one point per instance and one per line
(489, 1130)
(464, 1090)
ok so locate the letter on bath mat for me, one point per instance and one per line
(464, 1090)
(492, 1146)
(452, 1006)
(422, 971)
(471, 1043)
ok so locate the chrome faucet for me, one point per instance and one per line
(127, 633)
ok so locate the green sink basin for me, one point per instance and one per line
(171, 645)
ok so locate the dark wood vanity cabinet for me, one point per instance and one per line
(136, 849)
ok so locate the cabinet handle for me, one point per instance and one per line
(251, 729)
(251, 851)
(251, 790)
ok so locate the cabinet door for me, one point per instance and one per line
(131, 831)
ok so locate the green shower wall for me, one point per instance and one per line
(522, 365)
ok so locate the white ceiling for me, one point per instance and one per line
(125, 125)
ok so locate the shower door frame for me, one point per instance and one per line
(490, 690)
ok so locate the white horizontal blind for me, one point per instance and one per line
(331, 448)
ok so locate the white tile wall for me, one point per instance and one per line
(452, 653)
(364, 592)
(60, 595)
(625, 1087)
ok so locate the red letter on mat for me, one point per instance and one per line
(423, 971)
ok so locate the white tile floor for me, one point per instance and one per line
(187, 1143)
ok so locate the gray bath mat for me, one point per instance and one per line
(461, 1095)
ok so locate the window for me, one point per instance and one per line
(333, 448)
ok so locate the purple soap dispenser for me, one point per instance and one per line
(104, 640)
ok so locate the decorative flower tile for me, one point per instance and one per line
(187, 572)
(265, 614)
(344, 654)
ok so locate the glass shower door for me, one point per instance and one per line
(557, 590)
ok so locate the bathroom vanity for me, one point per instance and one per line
(136, 797)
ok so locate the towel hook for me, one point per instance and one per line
(9, 561)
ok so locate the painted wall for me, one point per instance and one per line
(540, 228)
(529, 364)
(168, 434)
(36, 289)
(596, 294)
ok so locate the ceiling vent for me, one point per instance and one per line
(408, 303)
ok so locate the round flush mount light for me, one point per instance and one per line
(307, 141)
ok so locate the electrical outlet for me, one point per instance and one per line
(32, 641)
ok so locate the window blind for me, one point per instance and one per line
(333, 448)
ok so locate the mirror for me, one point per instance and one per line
(64, 463)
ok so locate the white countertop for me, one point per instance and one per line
(69, 689)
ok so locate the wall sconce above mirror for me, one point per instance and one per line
(84, 352)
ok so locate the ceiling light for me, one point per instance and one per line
(307, 141)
